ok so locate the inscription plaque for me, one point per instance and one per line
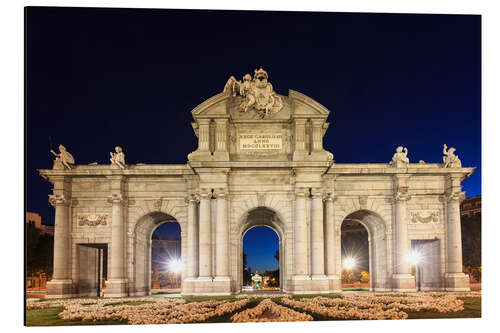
(260, 141)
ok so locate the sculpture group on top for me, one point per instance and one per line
(258, 93)
(400, 157)
(118, 158)
(65, 160)
(450, 160)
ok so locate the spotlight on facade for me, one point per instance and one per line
(349, 263)
(175, 265)
(414, 257)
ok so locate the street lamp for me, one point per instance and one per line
(349, 263)
(415, 258)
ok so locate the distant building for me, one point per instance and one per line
(36, 220)
(471, 206)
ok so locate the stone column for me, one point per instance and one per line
(300, 234)
(222, 237)
(192, 237)
(455, 279)
(61, 284)
(317, 134)
(402, 279)
(117, 281)
(204, 135)
(317, 236)
(330, 268)
(205, 237)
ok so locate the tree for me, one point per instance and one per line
(39, 251)
(277, 255)
(364, 277)
(247, 271)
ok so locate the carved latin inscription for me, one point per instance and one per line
(92, 220)
(260, 141)
(425, 217)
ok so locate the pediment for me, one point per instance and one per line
(304, 106)
(214, 106)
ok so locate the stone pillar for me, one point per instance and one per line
(317, 237)
(318, 277)
(222, 280)
(455, 279)
(330, 267)
(317, 134)
(61, 284)
(221, 151)
(204, 135)
(222, 236)
(300, 139)
(116, 285)
(300, 234)
(192, 237)
(205, 237)
(402, 278)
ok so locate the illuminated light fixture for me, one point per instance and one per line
(414, 257)
(175, 265)
(349, 263)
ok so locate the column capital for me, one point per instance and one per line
(192, 198)
(458, 196)
(220, 193)
(205, 194)
(401, 196)
(58, 200)
(329, 197)
(301, 192)
(317, 193)
(117, 199)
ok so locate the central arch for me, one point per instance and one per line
(262, 216)
(377, 247)
(142, 250)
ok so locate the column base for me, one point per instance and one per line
(334, 283)
(456, 282)
(116, 288)
(320, 284)
(403, 283)
(206, 285)
(60, 289)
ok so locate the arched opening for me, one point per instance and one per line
(262, 229)
(355, 256)
(367, 248)
(261, 270)
(166, 261)
(158, 260)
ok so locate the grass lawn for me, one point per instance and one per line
(49, 317)
(472, 309)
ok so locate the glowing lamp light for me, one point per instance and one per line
(175, 265)
(349, 263)
(414, 257)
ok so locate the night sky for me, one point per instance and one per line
(97, 78)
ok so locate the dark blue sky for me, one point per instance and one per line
(97, 78)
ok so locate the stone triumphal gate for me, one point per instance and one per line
(260, 161)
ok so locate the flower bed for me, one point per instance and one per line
(160, 312)
(374, 307)
(268, 311)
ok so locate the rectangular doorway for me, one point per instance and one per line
(92, 269)
(428, 268)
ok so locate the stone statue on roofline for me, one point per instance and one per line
(450, 160)
(258, 93)
(118, 158)
(63, 159)
(400, 157)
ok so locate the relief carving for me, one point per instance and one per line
(92, 220)
(424, 217)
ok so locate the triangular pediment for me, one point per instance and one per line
(306, 106)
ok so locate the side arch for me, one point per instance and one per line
(143, 232)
